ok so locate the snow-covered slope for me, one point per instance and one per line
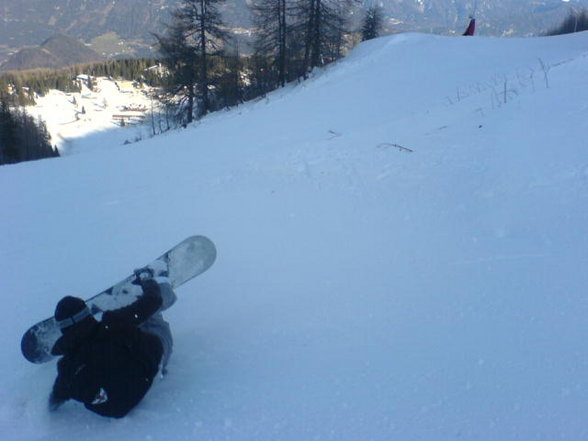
(70, 117)
(402, 253)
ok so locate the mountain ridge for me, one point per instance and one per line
(132, 22)
(55, 52)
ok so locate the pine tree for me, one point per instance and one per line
(229, 86)
(21, 137)
(577, 21)
(8, 138)
(270, 17)
(372, 23)
(320, 27)
(181, 60)
(198, 33)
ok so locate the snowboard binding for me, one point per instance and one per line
(151, 271)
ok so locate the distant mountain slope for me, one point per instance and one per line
(55, 52)
(495, 17)
(26, 22)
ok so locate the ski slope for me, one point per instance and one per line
(402, 253)
(71, 117)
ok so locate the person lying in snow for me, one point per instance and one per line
(109, 365)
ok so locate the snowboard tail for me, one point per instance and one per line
(183, 262)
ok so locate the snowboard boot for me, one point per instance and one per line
(167, 292)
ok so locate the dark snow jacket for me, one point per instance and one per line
(109, 365)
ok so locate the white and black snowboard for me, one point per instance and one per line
(186, 260)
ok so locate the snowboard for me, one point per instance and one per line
(181, 263)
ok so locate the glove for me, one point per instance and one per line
(150, 287)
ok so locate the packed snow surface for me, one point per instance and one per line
(402, 253)
(101, 105)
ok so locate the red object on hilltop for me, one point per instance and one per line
(471, 28)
